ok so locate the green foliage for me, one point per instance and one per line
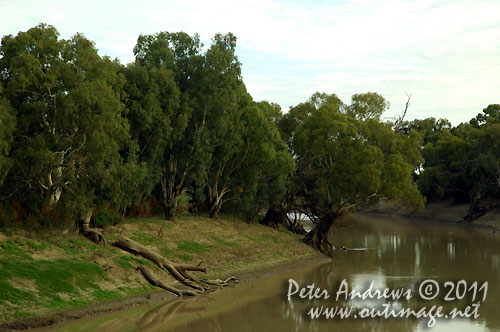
(70, 139)
(105, 218)
(7, 125)
(182, 203)
(368, 105)
(346, 158)
(460, 162)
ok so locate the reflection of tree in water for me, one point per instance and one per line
(398, 254)
(328, 276)
(408, 252)
(161, 316)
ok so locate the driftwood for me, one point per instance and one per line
(178, 271)
(219, 282)
(153, 280)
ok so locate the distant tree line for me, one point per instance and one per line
(82, 133)
(462, 163)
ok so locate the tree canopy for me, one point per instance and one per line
(177, 128)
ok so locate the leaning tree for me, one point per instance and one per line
(346, 159)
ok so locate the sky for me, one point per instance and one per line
(445, 54)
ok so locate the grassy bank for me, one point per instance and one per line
(42, 272)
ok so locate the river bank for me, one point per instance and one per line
(51, 276)
(390, 252)
(443, 211)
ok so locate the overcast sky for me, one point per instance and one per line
(446, 54)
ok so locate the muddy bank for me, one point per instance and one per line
(444, 211)
(245, 274)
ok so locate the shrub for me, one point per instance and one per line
(105, 218)
(182, 204)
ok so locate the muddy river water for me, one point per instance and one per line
(423, 266)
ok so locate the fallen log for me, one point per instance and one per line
(178, 271)
(153, 280)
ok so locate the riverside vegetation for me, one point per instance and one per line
(82, 135)
(45, 271)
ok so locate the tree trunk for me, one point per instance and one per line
(168, 201)
(215, 207)
(275, 216)
(318, 236)
(474, 210)
(94, 234)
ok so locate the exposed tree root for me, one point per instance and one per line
(94, 234)
(318, 236)
(319, 241)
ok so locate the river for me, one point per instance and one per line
(384, 252)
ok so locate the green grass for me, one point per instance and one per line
(33, 286)
(224, 242)
(290, 233)
(57, 302)
(143, 220)
(254, 239)
(126, 262)
(165, 251)
(69, 250)
(35, 245)
(144, 239)
(185, 257)
(14, 295)
(104, 295)
(193, 247)
(50, 277)
(84, 244)
(10, 247)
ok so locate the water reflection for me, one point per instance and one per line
(390, 252)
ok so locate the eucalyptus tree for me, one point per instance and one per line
(162, 94)
(347, 160)
(71, 142)
(222, 99)
(463, 163)
(262, 163)
(369, 105)
(274, 172)
(7, 124)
